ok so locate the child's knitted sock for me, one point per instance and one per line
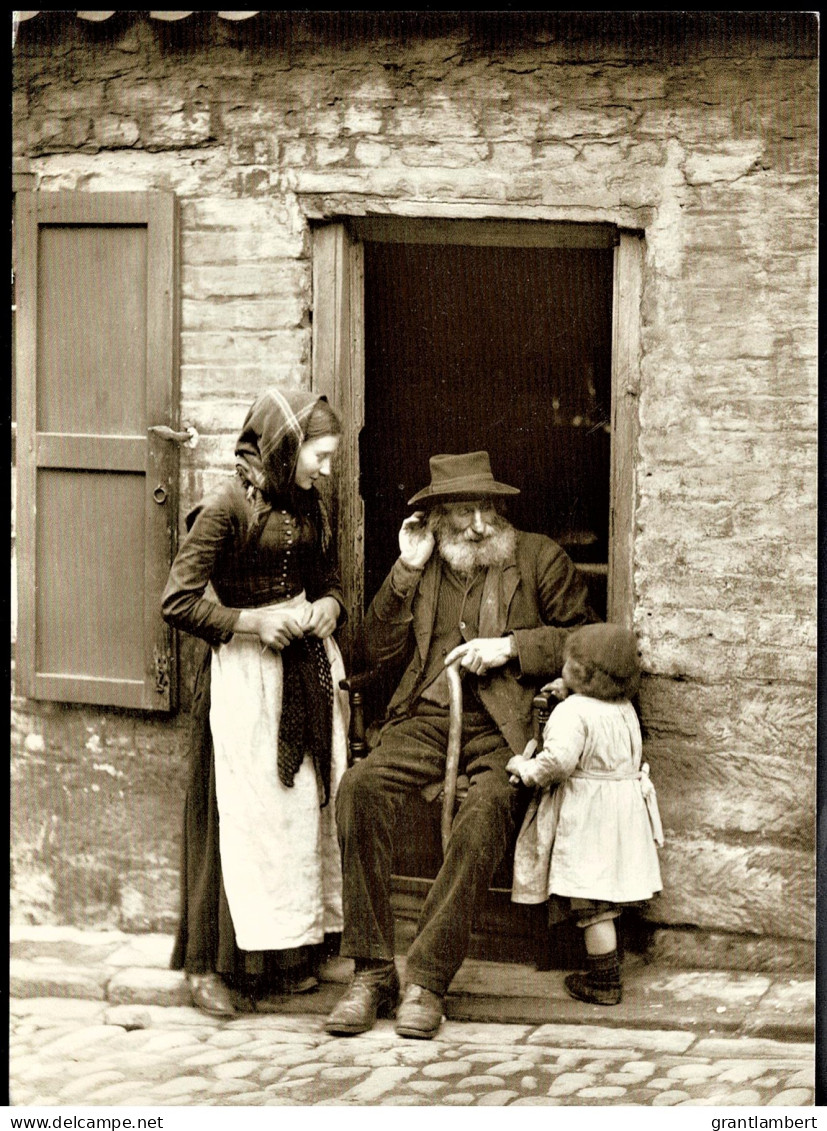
(600, 984)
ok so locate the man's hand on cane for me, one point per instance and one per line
(483, 653)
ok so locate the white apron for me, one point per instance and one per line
(280, 858)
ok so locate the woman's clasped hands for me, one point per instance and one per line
(322, 618)
(278, 627)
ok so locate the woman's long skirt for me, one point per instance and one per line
(261, 883)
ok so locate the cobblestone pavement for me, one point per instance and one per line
(68, 1051)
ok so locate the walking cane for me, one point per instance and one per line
(449, 795)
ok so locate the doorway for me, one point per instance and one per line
(519, 337)
(502, 348)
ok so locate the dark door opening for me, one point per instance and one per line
(502, 348)
(506, 348)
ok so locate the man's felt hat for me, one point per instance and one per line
(466, 476)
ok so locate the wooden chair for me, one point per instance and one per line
(448, 795)
(359, 747)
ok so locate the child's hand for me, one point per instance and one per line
(514, 764)
(557, 688)
(513, 769)
(517, 761)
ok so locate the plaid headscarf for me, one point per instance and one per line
(267, 451)
(268, 448)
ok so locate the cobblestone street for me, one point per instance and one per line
(74, 1052)
(98, 1018)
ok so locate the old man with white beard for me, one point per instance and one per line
(467, 585)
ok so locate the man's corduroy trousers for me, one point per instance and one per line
(410, 755)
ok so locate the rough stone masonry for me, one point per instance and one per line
(704, 139)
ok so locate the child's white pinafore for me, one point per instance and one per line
(593, 836)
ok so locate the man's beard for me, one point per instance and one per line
(464, 554)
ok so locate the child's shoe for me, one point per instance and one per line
(600, 984)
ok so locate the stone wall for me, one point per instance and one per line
(704, 141)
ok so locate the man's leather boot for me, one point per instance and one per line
(419, 1014)
(372, 993)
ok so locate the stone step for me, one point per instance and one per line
(48, 977)
(786, 1012)
(133, 971)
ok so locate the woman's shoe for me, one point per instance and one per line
(303, 985)
(274, 1002)
(211, 994)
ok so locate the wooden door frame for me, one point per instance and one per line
(338, 371)
(338, 367)
(628, 286)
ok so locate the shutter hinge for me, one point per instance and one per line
(161, 671)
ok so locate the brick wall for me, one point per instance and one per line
(707, 143)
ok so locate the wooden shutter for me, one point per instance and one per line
(96, 511)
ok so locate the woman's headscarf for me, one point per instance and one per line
(266, 455)
(271, 436)
(267, 449)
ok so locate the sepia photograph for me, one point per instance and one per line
(414, 564)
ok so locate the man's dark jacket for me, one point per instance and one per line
(538, 596)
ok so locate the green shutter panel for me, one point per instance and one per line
(97, 335)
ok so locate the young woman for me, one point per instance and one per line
(261, 874)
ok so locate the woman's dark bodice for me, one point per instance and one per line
(245, 572)
(271, 569)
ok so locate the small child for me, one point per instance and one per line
(590, 843)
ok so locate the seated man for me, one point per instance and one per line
(501, 601)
